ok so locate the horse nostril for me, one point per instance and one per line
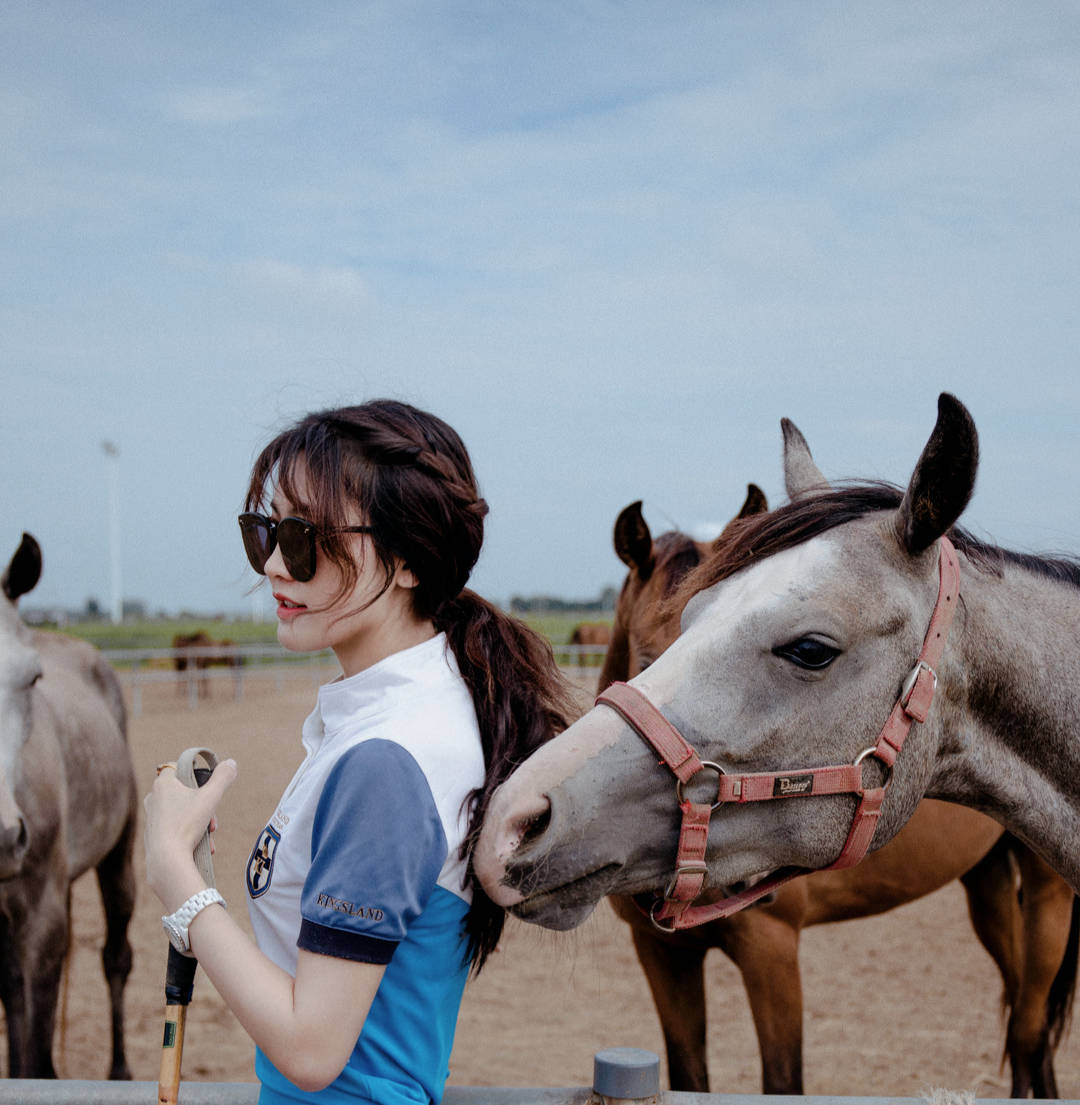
(534, 827)
(23, 837)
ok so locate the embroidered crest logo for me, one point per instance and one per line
(260, 867)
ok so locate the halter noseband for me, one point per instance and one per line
(681, 759)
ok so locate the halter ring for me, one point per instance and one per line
(873, 752)
(659, 903)
(704, 764)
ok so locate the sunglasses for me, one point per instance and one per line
(294, 536)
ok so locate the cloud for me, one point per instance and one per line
(216, 105)
(328, 286)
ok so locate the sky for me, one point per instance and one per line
(612, 243)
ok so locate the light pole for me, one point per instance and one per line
(112, 487)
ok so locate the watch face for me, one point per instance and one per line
(177, 937)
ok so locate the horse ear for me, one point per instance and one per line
(24, 570)
(943, 480)
(633, 541)
(802, 476)
(756, 503)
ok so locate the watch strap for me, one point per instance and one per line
(178, 923)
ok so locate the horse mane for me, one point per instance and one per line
(747, 540)
(676, 555)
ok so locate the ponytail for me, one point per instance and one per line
(521, 701)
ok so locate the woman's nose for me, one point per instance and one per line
(275, 564)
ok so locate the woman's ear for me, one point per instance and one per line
(404, 577)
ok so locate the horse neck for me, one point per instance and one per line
(1011, 711)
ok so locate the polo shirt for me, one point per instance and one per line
(360, 860)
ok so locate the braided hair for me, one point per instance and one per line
(409, 475)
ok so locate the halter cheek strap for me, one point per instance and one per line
(683, 761)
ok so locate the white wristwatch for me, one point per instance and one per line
(176, 924)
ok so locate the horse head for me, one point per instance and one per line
(644, 625)
(20, 669)
(796, 635)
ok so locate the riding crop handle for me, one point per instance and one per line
(180, 969)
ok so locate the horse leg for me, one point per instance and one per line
(995, 916)
(1048, 978)
(675, 971)
(32, 962)
(995, 913)
(11, 994)
(766, 950)
(116, 880)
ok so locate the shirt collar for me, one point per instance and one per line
(394, 680)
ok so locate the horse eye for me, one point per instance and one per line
(808, 653)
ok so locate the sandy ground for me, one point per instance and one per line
(894, 1004)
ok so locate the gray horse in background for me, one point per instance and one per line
(67, 803)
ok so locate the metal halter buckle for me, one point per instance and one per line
(913, 678)
(692, 868)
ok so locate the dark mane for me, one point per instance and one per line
(748, 540)
(676, 555)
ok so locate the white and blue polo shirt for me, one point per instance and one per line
(360, 861)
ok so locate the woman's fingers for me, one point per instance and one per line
(176, 818)
(177, 811)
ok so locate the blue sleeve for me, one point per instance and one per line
(377, 847)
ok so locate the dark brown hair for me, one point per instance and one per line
(409, 476)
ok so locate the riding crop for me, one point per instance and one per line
(180, 970)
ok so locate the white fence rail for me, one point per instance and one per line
(203, 666)
(196, 669)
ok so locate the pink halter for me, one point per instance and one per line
(684, 762)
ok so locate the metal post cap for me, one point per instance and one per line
(626, 1072)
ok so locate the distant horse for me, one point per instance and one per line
(1034, 944)
(592, 636)
(852, 651)
(201, 651)
(67, 803)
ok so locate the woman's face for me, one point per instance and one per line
(360, 628)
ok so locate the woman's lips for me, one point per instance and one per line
(287, 608)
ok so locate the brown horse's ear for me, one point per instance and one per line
(943, 480)
(802, 476)
(633, 541)
(24, 571)
(756, 503)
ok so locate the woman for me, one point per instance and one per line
(361, 895)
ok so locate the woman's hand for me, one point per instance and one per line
(176, 818)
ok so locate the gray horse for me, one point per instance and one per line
(798, 640)
(67, 803)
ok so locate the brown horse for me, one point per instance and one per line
(200, 651)
(592, 637)
(67, 803)
(1033, 944)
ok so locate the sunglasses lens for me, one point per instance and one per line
(258, 537)
(296, 539)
